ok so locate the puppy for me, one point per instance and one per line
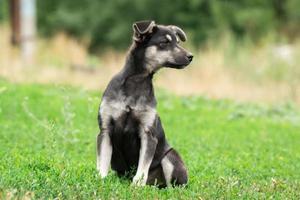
(132, 138)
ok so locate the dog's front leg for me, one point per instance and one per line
(104, 153)
(147, 151)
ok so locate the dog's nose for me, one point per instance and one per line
(190, 57)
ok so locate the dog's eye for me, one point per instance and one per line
(163, 44)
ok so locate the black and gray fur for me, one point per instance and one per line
(132, 136)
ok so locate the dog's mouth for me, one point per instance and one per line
(177, 65)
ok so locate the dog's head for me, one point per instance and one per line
(161, 45)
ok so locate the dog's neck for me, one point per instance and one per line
(136, 64)
(136, 80)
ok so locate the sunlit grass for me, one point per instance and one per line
(232, 150)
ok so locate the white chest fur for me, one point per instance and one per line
(113, 109)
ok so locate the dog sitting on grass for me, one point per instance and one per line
(132, 136)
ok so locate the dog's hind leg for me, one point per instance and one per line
(104, 153)
(174, 170)
(156, 177)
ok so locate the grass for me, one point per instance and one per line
(232, 150)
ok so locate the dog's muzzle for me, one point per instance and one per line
(190, 57)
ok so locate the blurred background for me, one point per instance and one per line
(246, 50)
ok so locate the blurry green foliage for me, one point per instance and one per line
(3, 10)
(108, 22)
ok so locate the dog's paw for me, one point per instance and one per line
(101, 174)
(139, 181)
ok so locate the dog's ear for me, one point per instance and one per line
(142, 29)
(178, 31)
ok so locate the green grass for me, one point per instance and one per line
(231, 150)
